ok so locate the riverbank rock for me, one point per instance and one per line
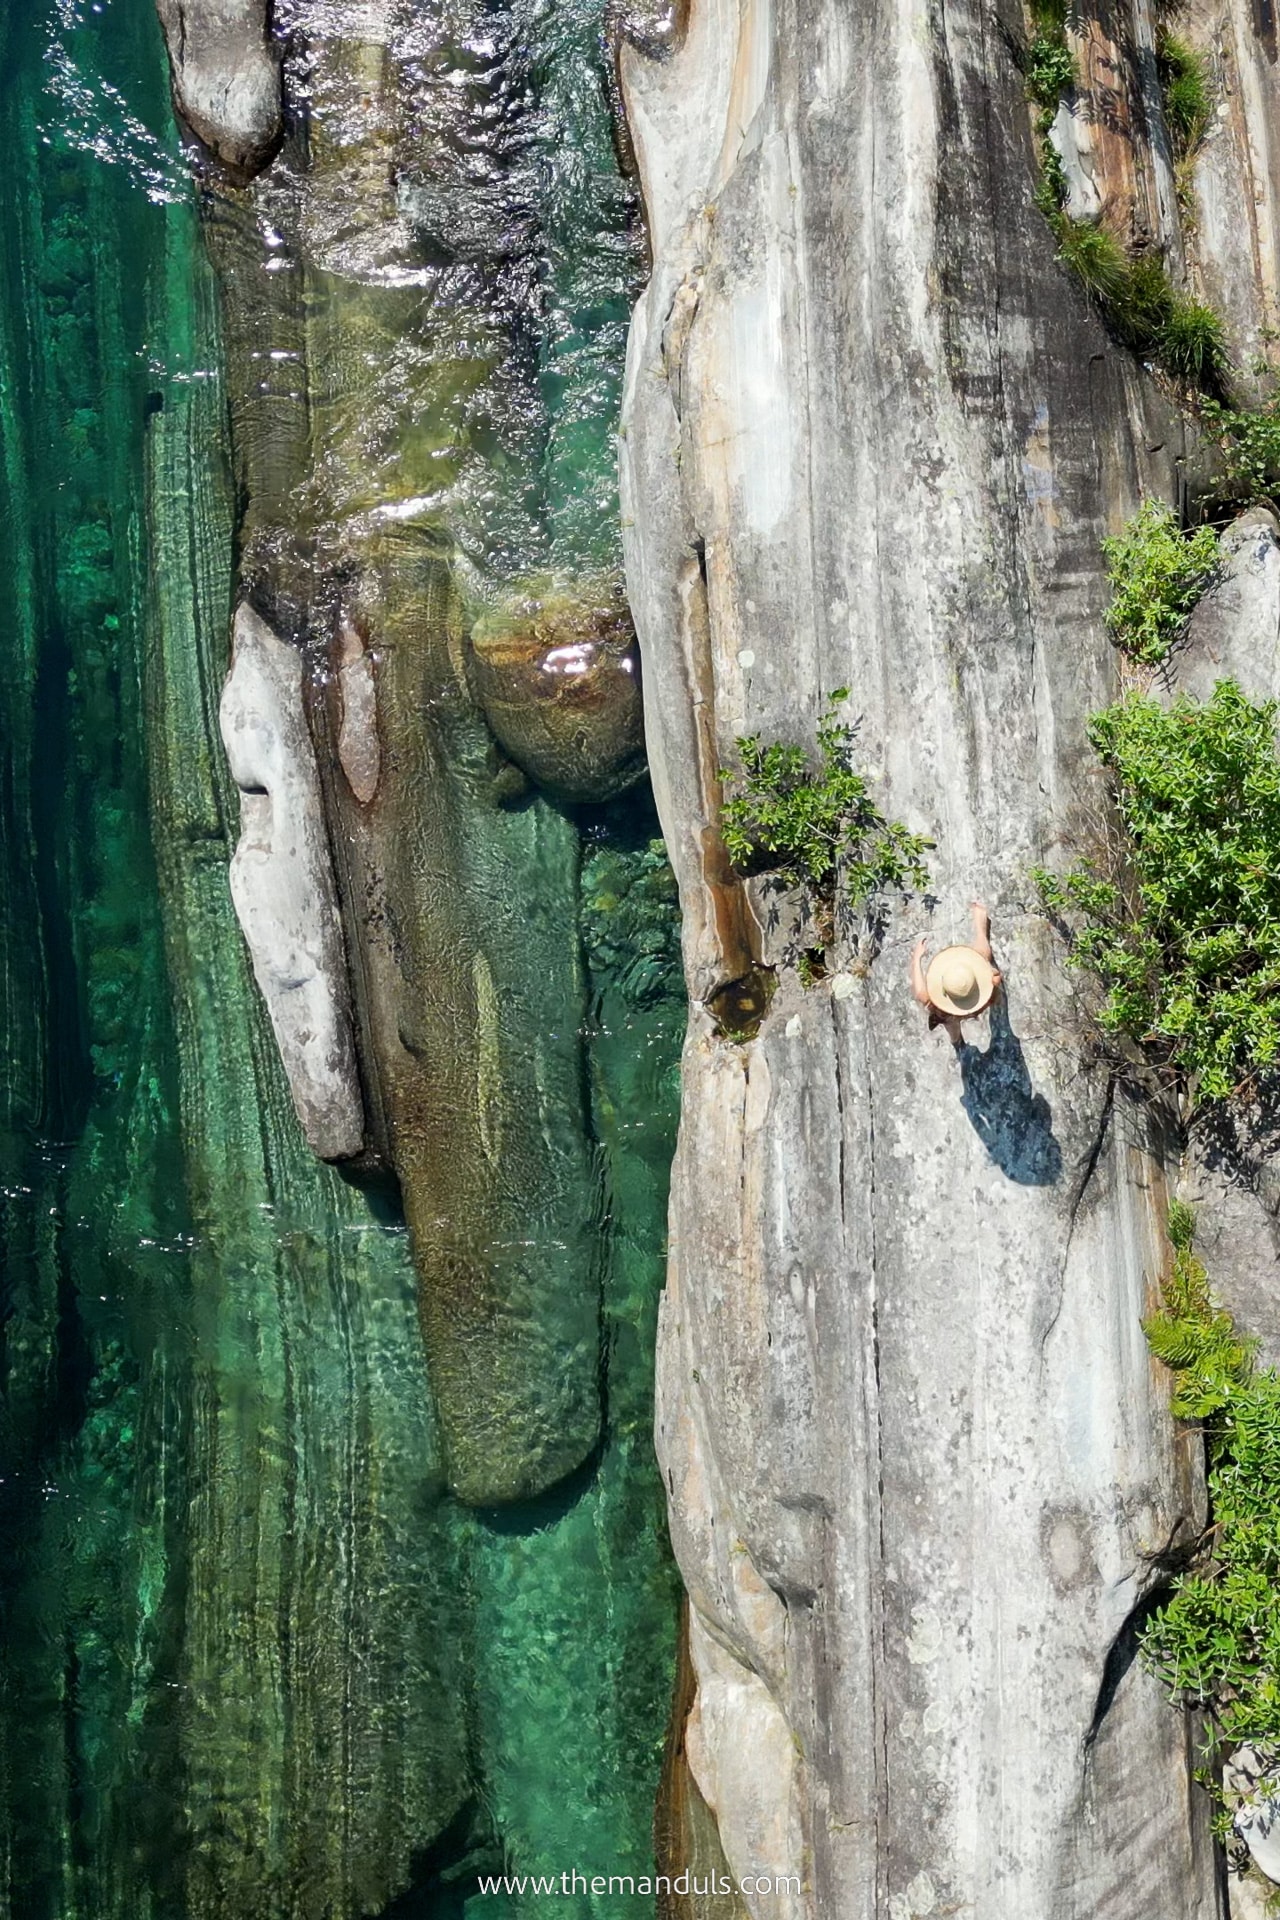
(226, 77)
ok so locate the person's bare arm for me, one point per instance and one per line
(918, 987)
(981, 929)
(982, 934)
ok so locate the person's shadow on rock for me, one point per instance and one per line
(1013, 1122)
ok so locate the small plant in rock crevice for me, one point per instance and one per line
(1133, 292)
(1186, 93)
(1158, 573)
(816, 827)
(1179, 920)
(1185, 338)
(1215, 1643)
(1248, 440)
(1192, 344)
(1050, 71)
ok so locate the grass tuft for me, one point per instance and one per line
(1185, 338)
(1096, 257)
(1191, 345)
(1187, 94)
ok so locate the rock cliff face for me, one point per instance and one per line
(921, 1473)
(922, 1479)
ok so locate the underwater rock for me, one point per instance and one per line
(359, 750)
(558, 676)
(226, 76)
(367, 442)
(282, 885)
(457, 912)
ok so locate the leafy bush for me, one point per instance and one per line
(1187, 94)
(1180, 923)
(1216, 1643)
(1158, 573)
(1050, 70)
(1249, 441)
(816, 830)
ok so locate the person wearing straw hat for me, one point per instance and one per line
(959, 981)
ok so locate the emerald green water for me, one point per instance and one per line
(256, 1662)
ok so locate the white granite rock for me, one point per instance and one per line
(1234, 631)
(1070, 138)
(282, 885)
(872, 438)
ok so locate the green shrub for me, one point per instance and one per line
(1191, 345)
(1249, 441)
(817, 830)
(1180, 922)
(1216, 1642)
(1050, 70)
(1186, 92)
(1158, 572)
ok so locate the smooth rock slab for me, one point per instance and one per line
(873, 438)
(282, 885)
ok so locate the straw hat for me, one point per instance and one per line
(960, 981)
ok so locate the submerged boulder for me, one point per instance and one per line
(282, 886)
(557, 673)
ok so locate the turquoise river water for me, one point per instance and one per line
(257, 1661)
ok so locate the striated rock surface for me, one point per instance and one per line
(1235, 182)
(282, 885)
(920, 1467)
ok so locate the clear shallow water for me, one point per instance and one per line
(256, 1661)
